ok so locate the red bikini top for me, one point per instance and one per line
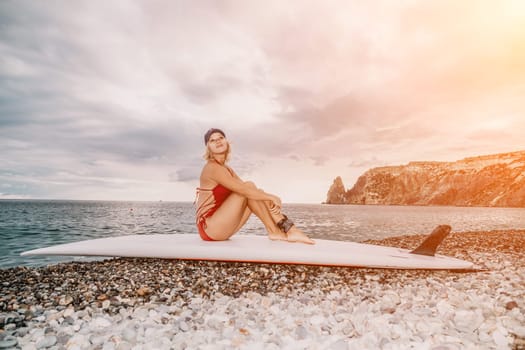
(218, 195)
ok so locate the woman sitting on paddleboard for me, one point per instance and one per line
(225, 202)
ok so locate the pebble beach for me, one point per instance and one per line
(176, 304)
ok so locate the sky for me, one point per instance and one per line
(109, 100)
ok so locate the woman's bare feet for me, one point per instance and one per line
(277, 236)
(296, 235)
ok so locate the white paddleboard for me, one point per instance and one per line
(251, 248)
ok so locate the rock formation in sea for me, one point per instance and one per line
(337, 192)
(493, 180)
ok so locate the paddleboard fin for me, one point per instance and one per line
(432, 242)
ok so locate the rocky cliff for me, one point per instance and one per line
(494, 180)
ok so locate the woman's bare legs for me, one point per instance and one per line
(236, 210)
(294, 234)
(262, 210)
(234, 213)
(229, 218)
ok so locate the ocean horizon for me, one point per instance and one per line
(27, 224)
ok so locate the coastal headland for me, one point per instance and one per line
(496, 180)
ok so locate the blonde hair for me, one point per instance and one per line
(209, 156)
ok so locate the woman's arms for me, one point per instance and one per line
(217, 174)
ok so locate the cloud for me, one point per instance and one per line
(397, 70)
(188, 171)
(121, 92)
(320, 160)
(210, 89)
(184, 175)
(372, 162)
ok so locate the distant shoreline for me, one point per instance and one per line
(86, 200)
(291, 203)
(420, 205)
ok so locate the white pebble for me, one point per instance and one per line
(29, 346)
(316, 320)
(339, 345)
(129, 334)
(100, 322)
(47, 342)
(500, 339)
(184, 326)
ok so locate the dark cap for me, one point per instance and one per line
(210, 132)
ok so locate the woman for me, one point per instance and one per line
(225, 202)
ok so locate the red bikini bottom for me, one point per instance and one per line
(203, 233)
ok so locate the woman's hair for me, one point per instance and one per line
(209, 156)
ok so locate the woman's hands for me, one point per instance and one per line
(275, 206)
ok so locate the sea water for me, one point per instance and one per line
(30, 224)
